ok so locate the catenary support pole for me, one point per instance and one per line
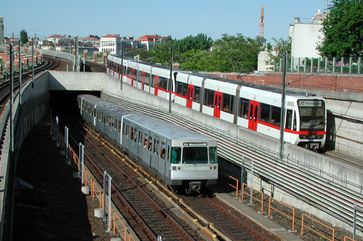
(20, 72)
(122, 62)
(282, 113)
(170, 83)
(11, 98)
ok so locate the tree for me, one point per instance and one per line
(23, 37)
(343, 29)
(199, 42)
(200, 53)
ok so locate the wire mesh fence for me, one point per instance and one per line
(343, 65)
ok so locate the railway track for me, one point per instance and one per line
(214, 218)
(145, 212)
(231, 223)
(5, 85)
(299, 182)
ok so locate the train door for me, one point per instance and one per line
(217, 104)
(190, 95)
(142, 80)
(119, 71)
(154, 155)
(94, 113)
(156, 80)
(253, 114)
(133, 77)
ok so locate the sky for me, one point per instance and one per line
(178, 18)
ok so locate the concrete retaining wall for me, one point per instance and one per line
(305, 159)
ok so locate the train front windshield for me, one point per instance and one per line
(195, 155)
(312, 114)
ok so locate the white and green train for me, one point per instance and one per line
(180, 157)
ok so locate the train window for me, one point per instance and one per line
(181, 88)
(213, 158)
(133, 74)
(128, 71)
(275, 115)
(243, 108)
(147, 79)
(94, 112)
(265, 112)
(150, 143)
(209, 97)
(131, 133)
(312, 114)
(288, 119)
(227, 104)
(294, 123)
(163, 150)
(163, 83)
(125, 129)
(146, 138)
(138, 75)
(196, 97)
(118, 126)
(140, 136)
(155, 80)
(175, 155)
(195, 155)
(111, 121)
(135, 134)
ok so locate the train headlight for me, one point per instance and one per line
(214, 167)
(174, 168)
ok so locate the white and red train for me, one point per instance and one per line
(257, 109)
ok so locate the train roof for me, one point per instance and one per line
(167, 129)
(163, 128)
(241, 82)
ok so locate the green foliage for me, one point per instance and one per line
(230, 53)
(23, 37)
(282, 45)
(343, 29)
(200, 53)
(237, 53)
(199, 42)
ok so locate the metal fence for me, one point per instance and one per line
(343, 65)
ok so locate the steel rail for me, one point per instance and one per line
(318, 191)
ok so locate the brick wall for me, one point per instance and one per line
(340, 83)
